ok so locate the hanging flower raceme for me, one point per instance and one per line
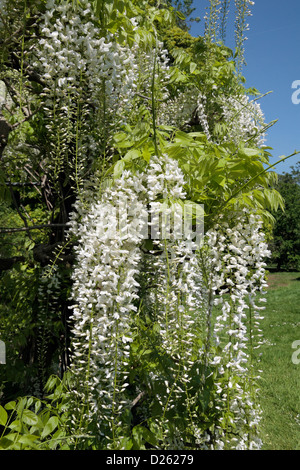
(238, 276)
(89, 84)
(243, 11)
(244, 119)
(201, 113)
(164, 325)
(109, 231)
(174, 296)
(106, 281)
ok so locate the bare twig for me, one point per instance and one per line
(138, 398)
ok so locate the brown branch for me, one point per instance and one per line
(31, 227)
(35, 183)
(43, 254)
(21, 185)
(15, 96)
(138, 398)
(26, 213)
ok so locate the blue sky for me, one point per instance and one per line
(272, 53)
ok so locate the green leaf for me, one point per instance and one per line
(121, 140)
(166, 128)
(142, 434)
(126, 443)
(137, 433)
(5, 443)
(193, 67)
(16, 425)
(177, 76)
(146, 154)
(51, 424)
(149, 437)
(28, 439)
(29, 417)
(155, 429)
(183, 138)
(248, 152)
(180, 15)
(21, 405)
(118, 168)
(120, 137)
(120, 6)
(3, 416)
(37, 406)
(131, 155)
(52, 383)
(10, 441)
(10, 405)
(29, 245)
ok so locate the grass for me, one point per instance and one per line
(280, 379)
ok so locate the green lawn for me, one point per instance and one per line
(280, 379)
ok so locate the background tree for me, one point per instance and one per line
(285, 245)
(186, 9)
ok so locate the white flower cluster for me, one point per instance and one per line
(180, 292)
(244, 119)
(155, 60)
(72, 46)
(201, 113)
(238, 277)
(90, 80)
(211, 18)
(177, 111)
(152, 78)
(165, 179)
(176, 298)
(107, 276)
(105, 291)
(177, 264)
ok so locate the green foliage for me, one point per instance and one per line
(190, 394)
(222, 177)
(176, 37)
(115, 16)
(184, 10)
(30, 423)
